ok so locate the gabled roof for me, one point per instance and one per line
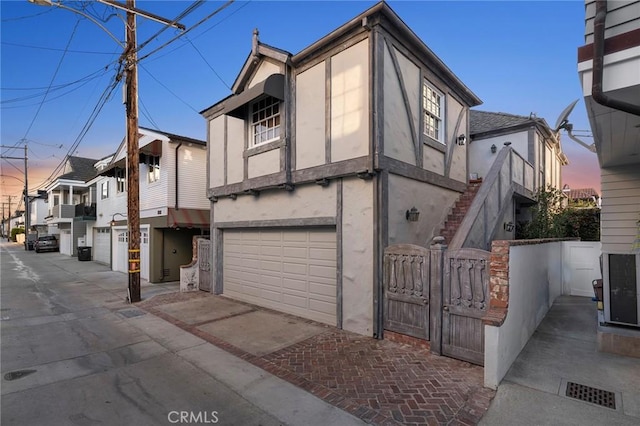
(485, 121)
(82, 169)
(582, 194)
(176, 138)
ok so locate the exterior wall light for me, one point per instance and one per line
(508, 226)
(462, 139)
(494, 148)
(113, 220)
(412, 215)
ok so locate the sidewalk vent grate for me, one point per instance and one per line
(130, 313)
(592, 395)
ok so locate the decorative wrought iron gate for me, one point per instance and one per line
(406, 290)
(465, 300)
(204, 264)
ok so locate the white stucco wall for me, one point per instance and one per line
(310, 117)
(453, 109)
(305, 202)
(432, 202)
(481, 158)
(535, 281)
(350, 102)
(264, 164)
(357, 253)
(265, 69)
(235, 148)
(216, 152)
(397, 120)
(433, 160)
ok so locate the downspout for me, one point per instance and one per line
(177, 206)
(598, 64)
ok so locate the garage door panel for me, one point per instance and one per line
(293, 271)
(322, 271)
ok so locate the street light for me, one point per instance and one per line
(131, 71)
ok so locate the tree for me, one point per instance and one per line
(552, 219)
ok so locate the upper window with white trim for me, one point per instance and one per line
(265, 121)
(153, 166)
(433, 109)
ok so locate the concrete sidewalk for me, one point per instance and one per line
(562, 350)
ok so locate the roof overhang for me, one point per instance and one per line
(271, 86)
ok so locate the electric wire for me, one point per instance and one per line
(54, 49)
(185, 13)
(208, 64)
(73, 32)
(167, 89)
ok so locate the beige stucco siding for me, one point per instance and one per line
(620, 208)
(453, 110)
(310, 117)
(235, 149)
(481, 158)
(433, 159)
(350, 102)
(265, 69)
(357, 249)
(398, 137)
(306, 201)
(432, 202)
(264, 164)
(216, 152)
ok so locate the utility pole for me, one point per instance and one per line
(133, 189)
(27, 207)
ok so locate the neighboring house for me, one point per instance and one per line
(173, 205)
(321, 159)
(38, 210)
(529, 136)
(608, 65)
(582, 197)
(71, 202)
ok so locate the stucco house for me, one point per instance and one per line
(321, 159)
(173, 205)
(71, 202)
(608, 66)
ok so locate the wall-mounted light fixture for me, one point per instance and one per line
(508, 226)
(113, 221)
(412, 215)
(494, 148)
(462, 139)
(507, 143)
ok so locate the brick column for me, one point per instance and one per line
(498, 283)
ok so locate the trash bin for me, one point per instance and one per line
(84, 253)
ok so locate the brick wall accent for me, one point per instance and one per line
(499, 277)
(403, 339)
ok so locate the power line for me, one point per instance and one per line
(147, 114)
(55, 49)
(73, 32)
(25, 17)
(168, 90)
(215, 12)
(63, 85)
(186, 12)
(207, 62)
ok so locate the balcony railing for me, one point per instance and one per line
(86, 211)
(61, 211)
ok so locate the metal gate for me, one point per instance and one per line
(204, 264)
(465, 300)
(406, 290)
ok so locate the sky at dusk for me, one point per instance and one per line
(57, 67)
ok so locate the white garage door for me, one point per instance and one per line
(121, 251)
(101, 250)
(292, 271)
(65, 242)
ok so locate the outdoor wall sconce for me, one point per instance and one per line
(494, 148)
(508, 226)
(412, 215)
(113, 220)
(462, 139)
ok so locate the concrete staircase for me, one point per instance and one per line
(459, 210)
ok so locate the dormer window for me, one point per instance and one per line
(265, 120)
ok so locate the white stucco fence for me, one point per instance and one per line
(538, 274)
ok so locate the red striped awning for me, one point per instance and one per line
(187, 218)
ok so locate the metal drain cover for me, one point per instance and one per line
(592, 395)
(130, 313)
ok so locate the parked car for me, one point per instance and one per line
(47, 243)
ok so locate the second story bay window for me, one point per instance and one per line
(433, 110)
(265, 120)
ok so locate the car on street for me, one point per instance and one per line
(47, 243)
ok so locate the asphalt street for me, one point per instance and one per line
(73, 352)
